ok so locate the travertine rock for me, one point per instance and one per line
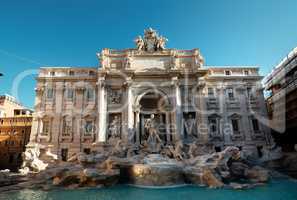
(257, 175)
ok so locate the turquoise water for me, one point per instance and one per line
(276, 190)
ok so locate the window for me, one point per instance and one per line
(90, 94)
(235, 126)
(66, 127)
(218, 149)
(255, 125)
(52, 73)
(87, 151)
(88, 127)
(71, 73)
(230, 93)
(49, 93)
(227, 72)
(70, 93)
(246, 72)
(213, 125)
(259, 149)
(91, 73)
(46, 128)
(210, 92)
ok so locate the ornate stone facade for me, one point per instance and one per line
(79, 108)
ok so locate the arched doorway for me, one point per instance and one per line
(153, 105)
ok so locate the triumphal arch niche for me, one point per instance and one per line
(149, 96)
(158, 87)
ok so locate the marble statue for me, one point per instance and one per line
(139, 43)
(190, 125)
(192, 150)
(115, 128)
(118, 148)
(154, 142)
(161, 43)
(178, 153)
(31, 160)
(129, 61)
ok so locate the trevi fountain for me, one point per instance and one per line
(150, 123)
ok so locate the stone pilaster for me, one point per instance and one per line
(178, 109)
(224, 113)
(137, 122)
(202, 113)
(102, 109)
(56, 122)
(246, 129)
(130, 120)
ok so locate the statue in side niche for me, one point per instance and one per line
(115, 128)
(190, 125)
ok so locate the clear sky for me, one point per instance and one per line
(69, 33)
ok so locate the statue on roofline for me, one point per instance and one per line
(151, 41)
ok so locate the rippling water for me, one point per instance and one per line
(276, 190)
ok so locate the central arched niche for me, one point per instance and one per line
(153, 102)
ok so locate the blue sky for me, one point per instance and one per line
(34, 34)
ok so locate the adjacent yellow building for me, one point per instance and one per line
(15, 128)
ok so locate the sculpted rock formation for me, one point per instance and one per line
(120, 161)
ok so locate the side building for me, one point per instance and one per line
(281, 89)
(15, 129)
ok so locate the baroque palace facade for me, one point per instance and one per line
(77, 109)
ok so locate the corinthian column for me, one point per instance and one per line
(130, 121)
(102, 109)
(178, 110)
